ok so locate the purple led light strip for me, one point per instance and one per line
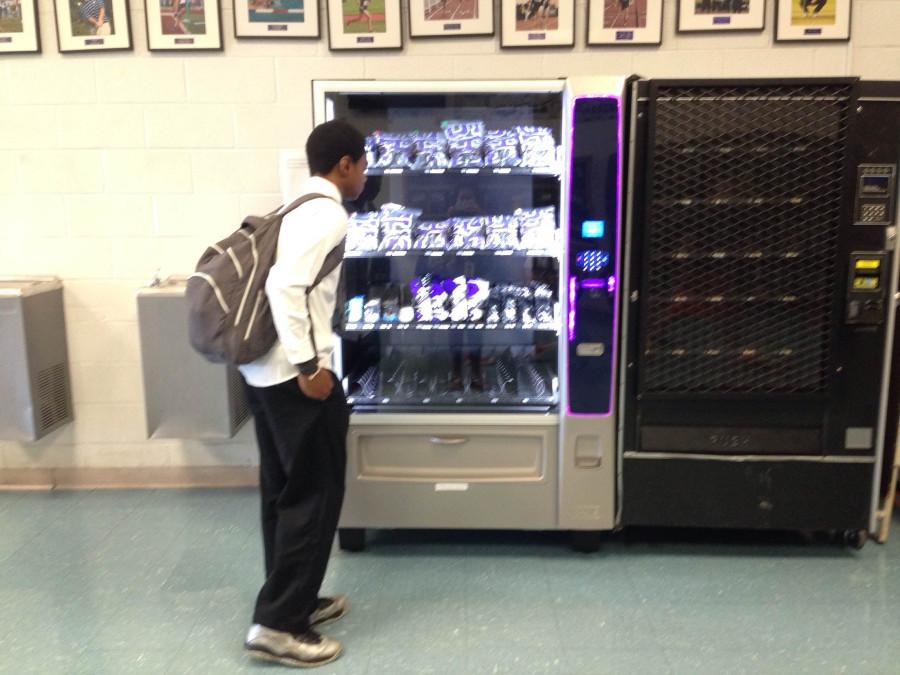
(612, 284)
(571, 309)
(598, 283)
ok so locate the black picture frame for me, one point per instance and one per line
(482, 25)
(721, 22)
(71, 44)
(391, 39)
(511, 28)
(590, 39)
(315, 21)
(32, 40)
(783, 32)
(165, 44)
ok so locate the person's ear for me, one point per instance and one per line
(345, 165)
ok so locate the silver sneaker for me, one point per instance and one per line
(329, 610)
(301, 651)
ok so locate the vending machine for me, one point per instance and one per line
(479, 330)
(758, 307)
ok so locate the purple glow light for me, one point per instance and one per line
(611, 284)
(571, 309)
(595, 283)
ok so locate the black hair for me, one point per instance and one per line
(331, 141)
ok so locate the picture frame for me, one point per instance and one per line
(813, 20)
(537, 23)
(20, 30)
(364, 24)
(92, 25)
(450, 18)
(276, 19)
(721, 15)
(183, 25)
(624, 22)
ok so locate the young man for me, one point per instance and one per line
(301, 414)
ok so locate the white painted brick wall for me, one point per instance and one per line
(189, 126)
(148, 171)
(61, 171)
(28, 127)
(49, 81)
(244, 80)
(100, 125)
(9, 179)
(114, 166)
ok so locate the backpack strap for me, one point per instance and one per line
(254, 222)
(334, 258)
(299, 201)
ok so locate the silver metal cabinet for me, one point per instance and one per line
(35, 390)
(185, 396)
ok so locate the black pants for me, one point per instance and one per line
(302, 461)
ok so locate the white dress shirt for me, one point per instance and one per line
(308, 234)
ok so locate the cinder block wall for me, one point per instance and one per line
(112, 166)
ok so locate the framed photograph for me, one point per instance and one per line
(625, 22)
(175, 25)
(276, 19)
(449, 18)
(364, 24)
(713, 15)
(802, 20)
(19, 30)
(92, 25)
(537, 23)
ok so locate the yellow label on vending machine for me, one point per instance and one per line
(865, 283)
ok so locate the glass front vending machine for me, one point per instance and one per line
(481, 301)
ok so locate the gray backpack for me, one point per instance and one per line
(229, 318)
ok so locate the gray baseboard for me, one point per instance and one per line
(89, 478)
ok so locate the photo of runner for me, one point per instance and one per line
(813, 12)
(537, 15)
(364, 16)
(272, 11)
(625, 14)
(181, 17)
(721, 6)
(91, 17)
(11, 16)
(451, 10)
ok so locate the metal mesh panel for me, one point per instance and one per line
(53, 399)
(742, 235)
(240, 410)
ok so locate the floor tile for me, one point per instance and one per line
(165, 581)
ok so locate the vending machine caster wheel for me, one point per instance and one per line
(586, 541)
(856, 538)
(352, 539)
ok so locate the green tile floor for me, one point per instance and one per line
(163, 582)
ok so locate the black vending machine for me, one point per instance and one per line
(758, 303)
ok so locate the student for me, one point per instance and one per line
(301, 414)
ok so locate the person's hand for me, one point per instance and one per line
(317, 386)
